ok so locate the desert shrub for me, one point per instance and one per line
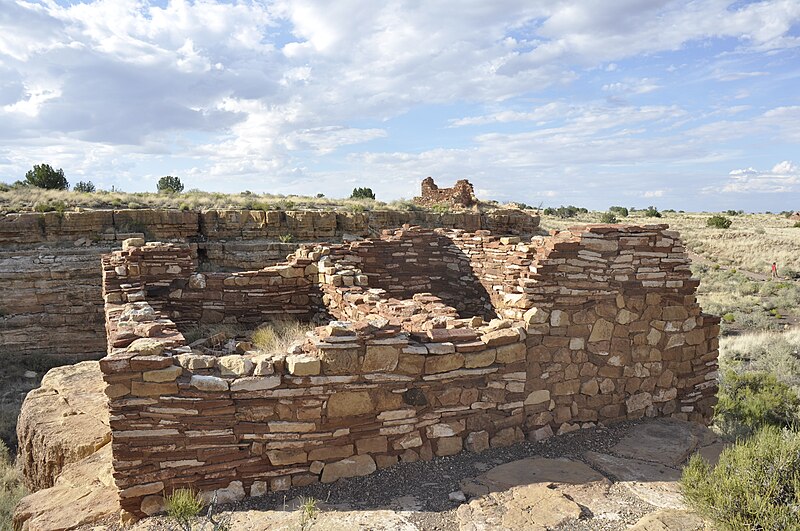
(362, 193)
(619, 211)
(796, 225)
(608, 217)
(50, 206)
(750, 400)
(278, 335)
(84, 187)
(286, 238)
(718, 222)
(755, 485)
(565, 212)
(44, 176)
(4, 187)
(441, 208)
(169, 185)
(183, 505)
(729, 318)
(308, 512)
(11, 487)
(652, 212)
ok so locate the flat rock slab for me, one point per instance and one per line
(653, 483)
(531, 507)
(325, 520)
(670, 520)
(83, 493)
(666, 441)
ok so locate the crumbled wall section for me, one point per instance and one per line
(461, 194)
(600, 323)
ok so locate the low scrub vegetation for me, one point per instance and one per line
(755, 485)
(11, 487)
(719, 222)
(749, 401)
(608, 217)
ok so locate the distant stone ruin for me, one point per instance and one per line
(461, 195)
(795, 216)
(437, 341)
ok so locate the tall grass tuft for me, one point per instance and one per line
(278, 335)
(11, 487)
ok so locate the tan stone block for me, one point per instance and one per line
(162, 375)
(316, 467)
(695, 337)
(477, 441)
(234, 365)
(260, 488)
(358, 465)
(349, 403)
(448, 446)
(287, 457)
(385, 461)
(208, 383)
(537, 397)
(443, 363)
(153, 389)
(638, 402)
(569, 387)
(411, 365)
(507, 437)
(147, 346)
(607, 386)
(559, 318)
(117, 390)
(280, 483)
(372, 445)
(409, 440)
(153, 504)
(536, 316)
(590, 388)
(381, 358)
(255, 383)
(330, 452)
(480, 359)
(602, 330)
(511, 353)
(674, 313)
(445, 429)
(336, 361)
(501, 337)
(142, 490)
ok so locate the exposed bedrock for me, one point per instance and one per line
(62, 422)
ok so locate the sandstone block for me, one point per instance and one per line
(234, 492)
(448, 446)
(506, 437)
(536, 316)
(381, 358)
(480, 359)
(234, 365)
(590, 388)
(142, 490)
(255, 383)
(372, 445)
(602, 330)
(497, 338)
(350, 403)
(280, 484)
(339, 361)
(330, 452)
(196, 361)
(264, 366)
(147, 346)
(638, 402)
(511, 353)
(443, 363)
(358, 465)
(559, 318)
(303, 365)
(407, 441)
(477, 441)
(153, 389)
(258, 488)
(162, 375)
(286, 457)
(545, 432)
(537, 397)
(153, 504)
(385, 461)
(445, 429)
(208, 383)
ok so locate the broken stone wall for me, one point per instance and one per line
(610, 330)
(50, 284)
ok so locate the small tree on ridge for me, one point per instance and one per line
(169, 185)
(44, 176)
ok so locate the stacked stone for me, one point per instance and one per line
(615, 330)
(461, 195)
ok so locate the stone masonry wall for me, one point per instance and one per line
(50, 285)
(601, 325)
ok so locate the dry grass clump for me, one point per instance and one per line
(278, 335)
(776, 353)
(11, 487)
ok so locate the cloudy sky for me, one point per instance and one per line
(685, 104)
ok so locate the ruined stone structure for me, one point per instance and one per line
(442, 340)
(461, 195)
(50, 285)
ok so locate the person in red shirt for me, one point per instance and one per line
(774, 271)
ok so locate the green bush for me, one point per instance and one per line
(565, 212)
(50, 206)
(619, 211)
(796, 225)
(751, 400)
(718, 222)
(169, 185)
(84, 187)
(362, 193)
(44, 176)
(754, 486)
(608, 217)
(652, 212)
(729, 318)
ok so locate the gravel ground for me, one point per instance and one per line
(422, 488)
